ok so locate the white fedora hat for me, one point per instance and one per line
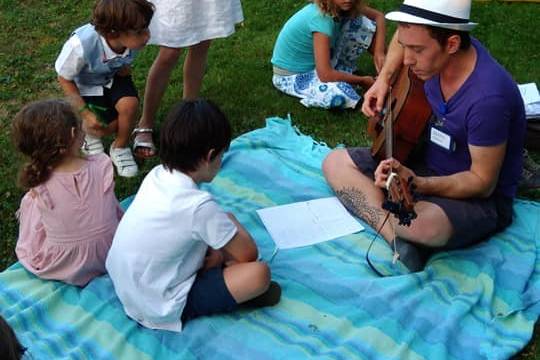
(448, 14)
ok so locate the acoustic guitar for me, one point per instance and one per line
(396, 132)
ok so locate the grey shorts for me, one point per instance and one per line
(473, 220)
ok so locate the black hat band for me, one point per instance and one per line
(431, 15)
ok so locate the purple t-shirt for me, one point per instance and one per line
(487, 110)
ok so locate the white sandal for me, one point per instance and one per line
(124, 162)
(143, 144)
(92, 145)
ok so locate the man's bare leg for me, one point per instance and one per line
(357, 192)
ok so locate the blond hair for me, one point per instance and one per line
(328, 7)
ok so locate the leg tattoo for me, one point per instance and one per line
(356, 202)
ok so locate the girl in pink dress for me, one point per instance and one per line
(70, 213)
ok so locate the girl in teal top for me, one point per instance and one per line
(316, 51)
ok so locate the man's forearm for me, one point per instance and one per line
(462, 185)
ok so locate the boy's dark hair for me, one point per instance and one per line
(42, 130)
(190, 131)
(10, 347)
(115, 16)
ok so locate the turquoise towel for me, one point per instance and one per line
(469, 304)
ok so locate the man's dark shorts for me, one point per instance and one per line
(208, 295)
(473, 220)
(104, 106)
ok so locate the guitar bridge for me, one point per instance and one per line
(404, 215)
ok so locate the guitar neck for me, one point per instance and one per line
(388, 127)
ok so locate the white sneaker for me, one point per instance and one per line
(122, 158)
(92, 145)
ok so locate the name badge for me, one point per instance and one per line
(441, 139)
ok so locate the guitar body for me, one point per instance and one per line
(411, 112)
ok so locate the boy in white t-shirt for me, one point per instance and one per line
(176, 254)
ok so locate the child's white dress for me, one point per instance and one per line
(181, 23)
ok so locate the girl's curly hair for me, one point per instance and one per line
(42, 131)
(328, 7)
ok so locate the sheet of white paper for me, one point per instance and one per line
(529, 93)
(308, 222)
(532, 110)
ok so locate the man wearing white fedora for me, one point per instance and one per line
(468, 173)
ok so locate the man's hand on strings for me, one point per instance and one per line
(382, 172)
(391, 165)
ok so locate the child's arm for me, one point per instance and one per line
(241, 248)
(378, 47)
(68, 65)
(91, 123)
(213, 258)
(325, 71)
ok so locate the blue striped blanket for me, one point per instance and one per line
(470, 304)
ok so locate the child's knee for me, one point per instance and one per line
(261, 275)
(168, 57)
(334, 162)
(127, 105)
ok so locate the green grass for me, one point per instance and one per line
(238, 78)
